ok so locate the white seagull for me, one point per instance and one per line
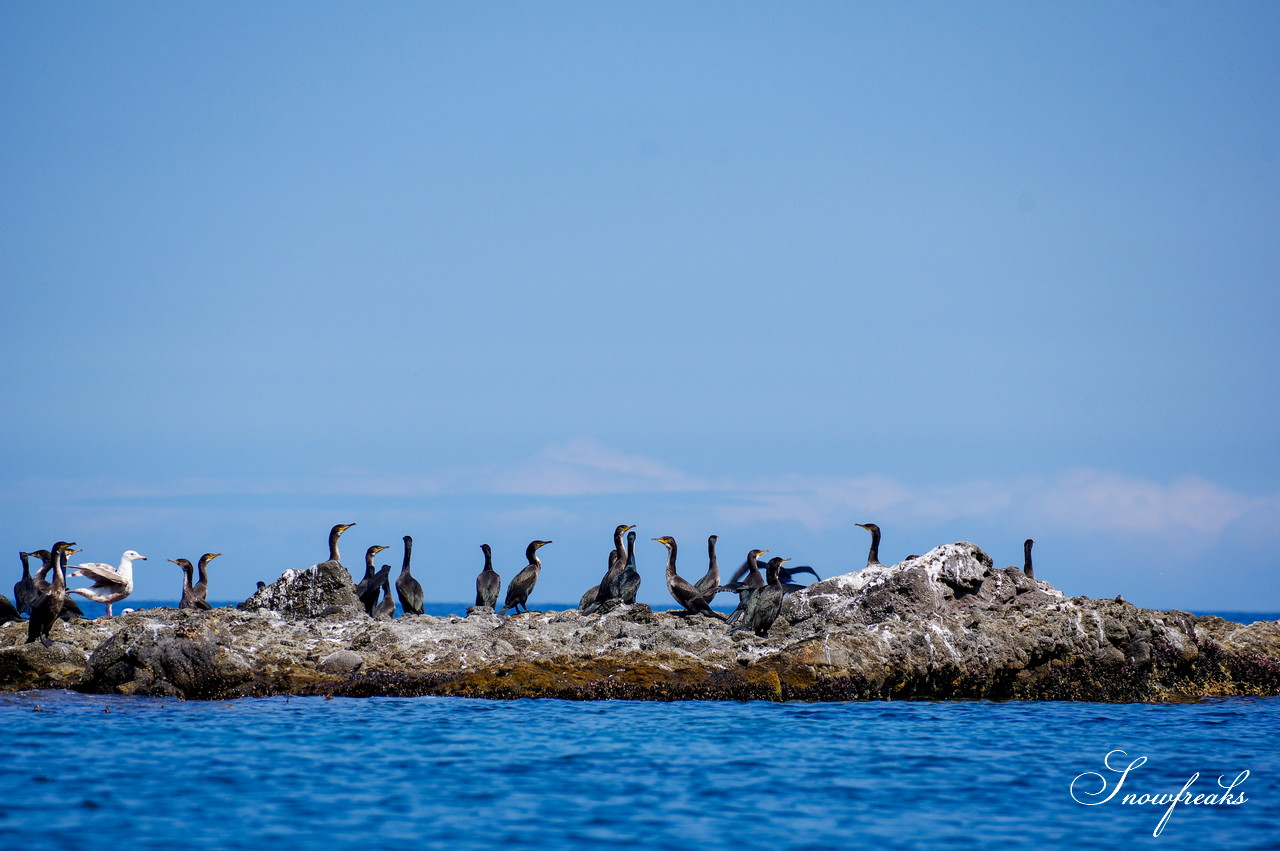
(110, 584)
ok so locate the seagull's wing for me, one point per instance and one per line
(101, 574)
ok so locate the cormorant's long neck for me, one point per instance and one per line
(772, 572)
(59, 578)
(873, 557)
(1026, 559)
(46, 565)
(408, 550)
(671, 559)
(631, 550)
(488, 559)
(26, 566)
(753, 569)
(532, 555)
(334, 534)
(204, 572)
(618, 546)
(186, 572)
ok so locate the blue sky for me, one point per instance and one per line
(484, 273)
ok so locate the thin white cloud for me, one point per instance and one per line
(1110, 501)
(1077, 500)
(587, 468)
(1092, 500)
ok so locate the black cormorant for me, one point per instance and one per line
(488, 582)
(710, 579)
(598, 595)
(680, 589)
(588, 598)
(201, 588)
(746, 581)
(334, 534)
(1026, 558)
(48, 606)
(518, 589)
(70, 609)
(766, 603)
(408, 589)
(189, 599)
(25, 591)
(609, 587)
(386, 607)
(873, 557)
(629, 582)
(8, 611)
(370, 585)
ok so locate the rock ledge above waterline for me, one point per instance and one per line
(945, 625)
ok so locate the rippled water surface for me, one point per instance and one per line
(98, 772)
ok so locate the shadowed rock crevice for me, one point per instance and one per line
(945, 625)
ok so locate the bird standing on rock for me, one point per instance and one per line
(873, 557)
(334, 534)
(408, 589)
(766, 603)
(110, 585)
(518, 589)
(370, 585)
(608, 589)
(25, 591)
(679, 588)
(746, 581)
(629, 582)
(70, 608)
(189, 599)
(48, 606)
(710, 579)
(8, 611)
(201, 588)
(488, 582)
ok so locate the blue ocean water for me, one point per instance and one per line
(91, 772)
(97, 771)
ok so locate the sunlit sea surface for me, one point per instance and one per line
(90, 771)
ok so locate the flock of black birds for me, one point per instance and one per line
(760, 595)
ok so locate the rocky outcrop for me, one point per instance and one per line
(946, 625)
(320, 590)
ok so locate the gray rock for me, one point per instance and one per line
(319, 591)
(188, 654)
(341, 662)
(34, 666)
(944, 625)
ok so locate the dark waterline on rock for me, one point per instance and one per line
(93, 771)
